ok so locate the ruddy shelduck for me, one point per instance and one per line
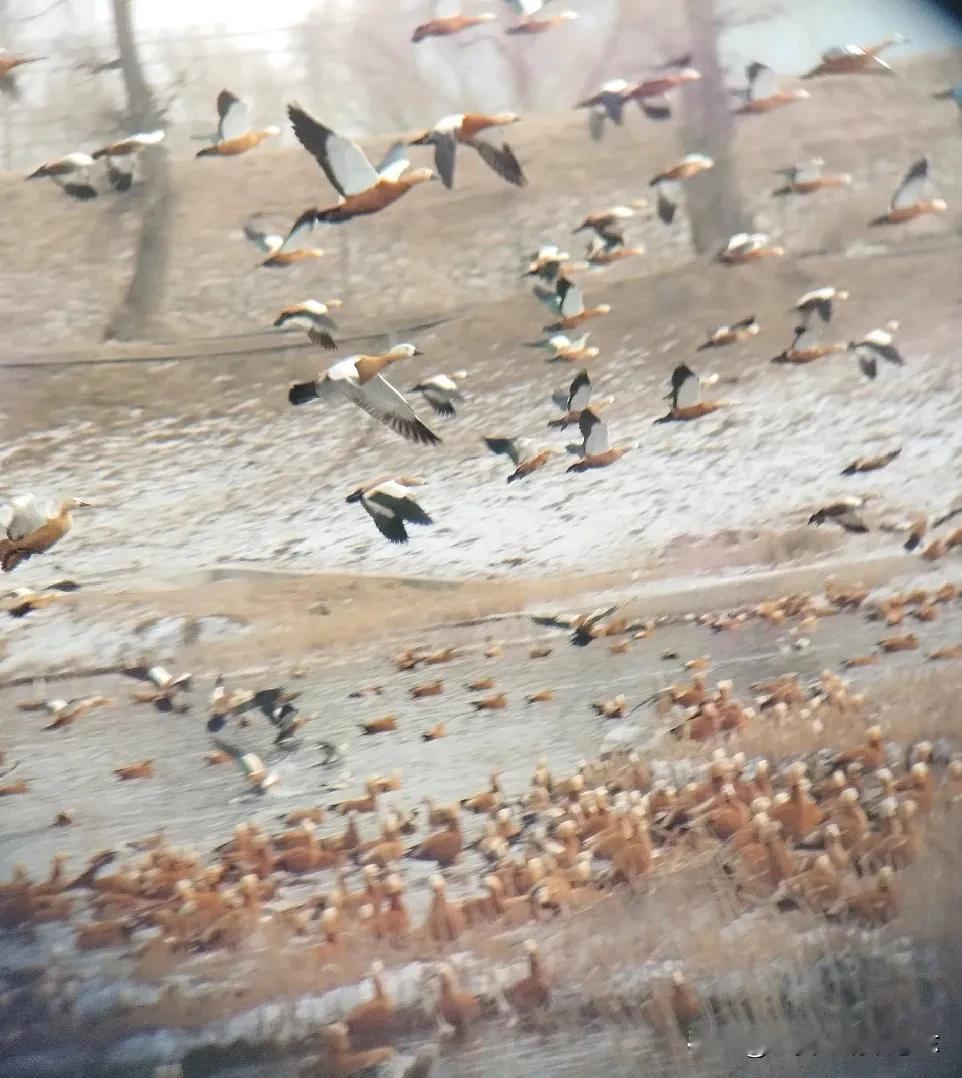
(71, 164)
(763, 92)
(359, 379)
(875, 346)
(596, 451)
(685, 395)
(568, 301)
(807, 177)
(667, 183)
(128, 147)
(313, 316)
(571, 351)
(234, 133)
(530, 25)
(390, 504)
(442, 391)
(913, 197)
(479, 130)
(871, 464)
(9, 61)
(578, 398)
(844, 514)
(446, 25)
(749, 247)
(819, 301)
(28, 527)
(807, 346)
(742, 330)
(363, 188)
(521, 452)
(856, 59)
(606, 224)
(297, 246)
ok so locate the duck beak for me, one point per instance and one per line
(418, 352)
(355, 497)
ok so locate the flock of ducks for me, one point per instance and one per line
(825, 831)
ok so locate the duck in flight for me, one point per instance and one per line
(359, 379)
(856, 59)
(844, 514)
(363, 188)
(875, 346)
(749, 247)
(568, 300)
(685, 395)
(234, 133)
(128, 148)
(742, 330)
(28, 527)
(763, 93)
(667, 183)
(577, 399)
(521, 453)
(313, 316)
(71, 164)
(596, 450)
(390, 504)
(480, 131)
(9, 61)
(912, 198)
(441, 391)
(446, 25)
(808, 176)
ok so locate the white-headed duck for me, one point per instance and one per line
(442, 392)
(806, 177)
(749, 247)
(568, 301)
(685, 394)
(874, 346)
(856, 59)
(871, 464)
(742, 330)
(844, 514)
(667, 183)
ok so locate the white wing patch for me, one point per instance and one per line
(689, 392)
(763, 85)
(573, 302)
(347, 161)
(236, 122)
(597, 440)
(298, 239)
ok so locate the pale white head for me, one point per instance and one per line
(272, 130)
(403, 351)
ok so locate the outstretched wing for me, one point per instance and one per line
(234, 117)
(513, 448)
(394, 498)
(569, 297)
(300, 236)
(500, 157)
(761, 82)
(669, 195)
(385, 404)
(912, 187)
(445, 153)
(594, 431)
(685, 387)
(394, 163)
(579, 394)
(342, 160)
(266, 234)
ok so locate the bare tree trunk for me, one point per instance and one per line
(144, 291)
(714, 204)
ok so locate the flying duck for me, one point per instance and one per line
(749, 247)
(807, 176)
(234, 134)
(578, 398)
(28, 528)
(844, 514)
(311, 315)
(441, 391)
(390, 504)
(856, 59)
(604, 252)
(251, 765)
(546, 263)
(9, 61)
(871, 464)
(122, 179)
(596, 452)
(568, 301)
(953, 93)
(819, 301)
(912, 198)
(446, 25)
(479, 130)
(521, 453)
(685, 394)
(577, 351)
(720, 336)
(667, 183)
(607, 103)
(650, 95)
(359, 379)
(807, 346)
(530, 25)
(363, 188)
(875, 346)
(283, 250)
(70, 164)
(606, 223)
(763, 92)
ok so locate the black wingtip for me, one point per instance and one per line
(302, 392)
